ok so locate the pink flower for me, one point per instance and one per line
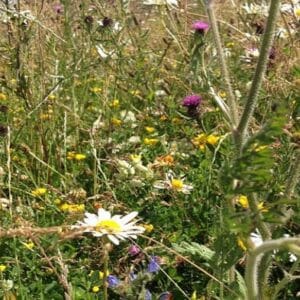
(200, 26)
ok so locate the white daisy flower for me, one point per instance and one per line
(116, 227)
(172, 183)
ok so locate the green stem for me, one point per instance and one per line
(259, 73)
(231, 98)
(105, 272)
(254, 259)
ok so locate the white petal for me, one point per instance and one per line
(103, 214)
(129, 217)
(113, 239)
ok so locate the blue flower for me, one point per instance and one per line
(153, 265)
(113, 281)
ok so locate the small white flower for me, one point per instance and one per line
(250, 54)
(116, 227)
(134, 139)
(172, 183)
(256, 238)
(255, 9)
(125, 168)
(128, 116)
(161, 2)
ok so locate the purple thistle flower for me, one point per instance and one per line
(112, 281)
(153, 265)
(58, 8)
(200, 26)
(134, 250)
(191, 101)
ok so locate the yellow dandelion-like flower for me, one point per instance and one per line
(166, 160)
(148, 227)
(51, 97)
(163, 118)
(2, 268)
(297, 12)
(150, 142)
(149, 129)
(39, 192)
(212, 139)
(95, 289)
(136, 158)
(3, 97)
(116, 122)
(79, 156)
(243, 201)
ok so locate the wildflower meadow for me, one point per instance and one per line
(149, 149)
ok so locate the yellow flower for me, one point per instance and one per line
(194, 296)
(148, 227)
(177, 184)
(297, 12)
(241, 244)
(79, 156)
(2, 268)
(166, 160)
(95, 89)
(200, 141)
(222, 94)
(149, 129)
(212, 139)
(51, 97)
(3, 97)
(57, 201)
(28, 245)
(95, 289)
(39, 192)
(71, 155)
(150, 142)
(261, 207)
(135, 92)
(115, 103)
(136, 159)
(101, 274)
(116, 122)
(176, 121)
(163, 118)
(72, 208)
(243, 201)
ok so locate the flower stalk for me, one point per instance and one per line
(231, 98)
(261, 67)
(254, 260)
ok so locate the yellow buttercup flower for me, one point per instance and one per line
(116, 122)
(2, 268)
(95, 289)
(150, 142)
(39, 192)
(72, 208)
(261, 207)
(115, 103)
(243, 201)
(101, 274)
(79, 156)
(149, 129)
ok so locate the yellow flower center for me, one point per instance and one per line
(109, 225)
(243, 201)
(177, 184)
